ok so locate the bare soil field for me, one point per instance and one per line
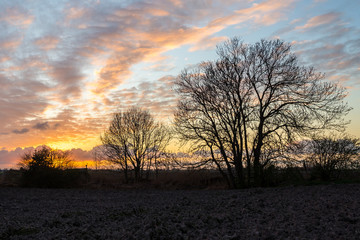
(306, 212)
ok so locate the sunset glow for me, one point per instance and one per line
(66, 66)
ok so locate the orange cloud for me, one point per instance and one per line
(207, 43)
(10, 44)
(47, 42)
(18, 17)
(265, 13)
(156, 96)
(177, 3)
(75, 12)
(4, 59)
(319, 20)
(158, 12)
(136, 35)
(268, 12)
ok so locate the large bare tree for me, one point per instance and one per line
(134, 140)
(245, 106)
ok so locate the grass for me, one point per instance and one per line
(166, 179)
(178, 179)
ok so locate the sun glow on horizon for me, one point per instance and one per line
(62, 145)
(74, 144)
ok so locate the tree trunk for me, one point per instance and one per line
(137, 173)
(239, 182)
(257, 165)
(126, 172)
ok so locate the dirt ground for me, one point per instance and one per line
(306, 212)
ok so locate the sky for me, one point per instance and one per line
(66, 66)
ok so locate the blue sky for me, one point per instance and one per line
(66, 66)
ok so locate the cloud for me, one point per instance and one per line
(10, 42)
(81, 155)
(161, 67)
(320, 20)
(75, 13)
(9, 159)
(68, 76)
(17, 16)
(47, 43)
(158, 97)
(331, 54)
(207, 43)
(41, 126)
(21, 131)
(21, 100)
(142, 32)
(267, 12)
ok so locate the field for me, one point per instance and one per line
(303, 212)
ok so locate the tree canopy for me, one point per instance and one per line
(253, 100)
(46, 157)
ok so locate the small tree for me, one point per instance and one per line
(45, 157)
(97, 154)
(133, 140)
(45, 167)
(326, 156)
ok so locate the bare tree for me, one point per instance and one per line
(246, 106)
(98, 155)
(157, 154)
(326, 156)
(134, 140)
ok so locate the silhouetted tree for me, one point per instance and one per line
(326, 156)
(246, 106)
(45, 157)
(98, 156)
(134, 140)
(46, 167)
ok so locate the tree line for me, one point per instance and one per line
(253, 107)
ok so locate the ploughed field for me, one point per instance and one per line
(306, 212)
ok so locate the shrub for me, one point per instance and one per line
(47, 168)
